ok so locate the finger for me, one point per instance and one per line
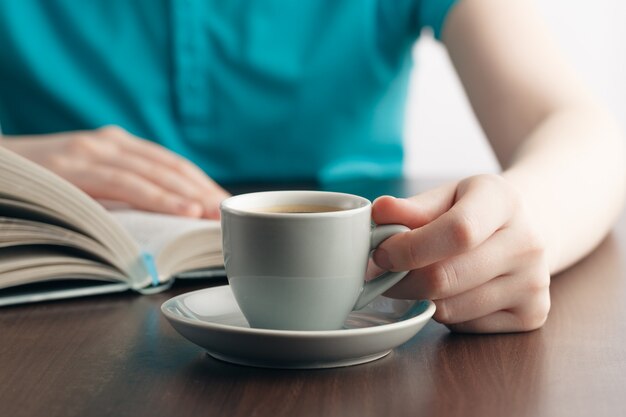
(526, 295)
(213, 194)
(468, 270)
(114, 184)
(499, 322)
(373, 270)
(530, 316)
(160, 175)
(415, 211)
(160, 155)
(169, 180)
(482, 207)
(493, 296)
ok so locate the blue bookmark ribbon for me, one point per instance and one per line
(148, 261)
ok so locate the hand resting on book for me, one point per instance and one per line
(111, 164)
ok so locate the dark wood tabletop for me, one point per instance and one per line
(116, 355)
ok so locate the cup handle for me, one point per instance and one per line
(386, 280)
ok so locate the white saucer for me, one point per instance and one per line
(212, 319)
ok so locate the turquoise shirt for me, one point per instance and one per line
(246, 89)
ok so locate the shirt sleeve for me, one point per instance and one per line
(433, 13)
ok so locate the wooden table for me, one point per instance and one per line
(117, 356)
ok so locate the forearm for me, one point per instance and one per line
(571, 172)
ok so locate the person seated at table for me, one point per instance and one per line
(194, 94)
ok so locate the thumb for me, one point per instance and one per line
(415, 211)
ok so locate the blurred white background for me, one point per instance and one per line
(443, 137)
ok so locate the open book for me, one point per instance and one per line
(57, 242)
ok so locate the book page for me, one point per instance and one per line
(25, 182)
(154, 231)
(177, 244)
(16, 232)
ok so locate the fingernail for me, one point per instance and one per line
(381, 257)
(213, 213)
(383, 196)
(189, 208)
(211, 209)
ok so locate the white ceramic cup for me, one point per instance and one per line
(302, 271)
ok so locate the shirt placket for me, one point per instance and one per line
(192, 68)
